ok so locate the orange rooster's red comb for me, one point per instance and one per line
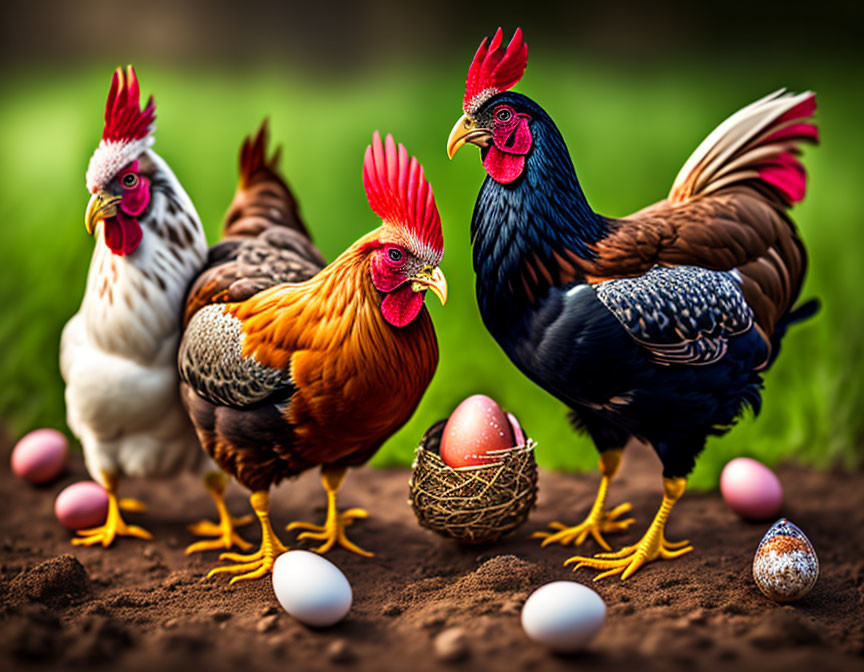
(494, 69)
(124, 119)
(400, 195)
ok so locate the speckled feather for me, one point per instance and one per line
(681, 314)
(211, 360)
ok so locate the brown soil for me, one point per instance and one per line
(145, 605)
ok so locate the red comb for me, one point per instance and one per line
(495, 69)
(124, 120)
(399, 193)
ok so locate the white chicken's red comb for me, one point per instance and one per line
(400, 195)
(124, 119)
(494, 69)
(127, 133)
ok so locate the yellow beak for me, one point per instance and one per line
(101, 206)
(433, 280)
(466, 130)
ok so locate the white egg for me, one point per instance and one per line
(311, 588)
(563, 615)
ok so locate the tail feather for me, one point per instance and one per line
(760, 144)
(803, 312)
(262, 199)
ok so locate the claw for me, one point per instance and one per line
(131, 505)
(332, 531)
(599, 521)
(114, 525)
(254, 565)
(254, 574)
(207, 528)
(88, 541)
(215, 544)
(596, 524)
(630, 559)
(239, 557)
(224, 530)
(653, 546)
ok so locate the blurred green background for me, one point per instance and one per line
(634, 90)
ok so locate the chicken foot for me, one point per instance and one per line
(224, 530)
(114, 524)
(255, 565)
(652, 546)
(333, 529)
(599, 520)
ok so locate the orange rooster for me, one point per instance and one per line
(289, 364)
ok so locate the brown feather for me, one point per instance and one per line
(264, 239)
(734, 228)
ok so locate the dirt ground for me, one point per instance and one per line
(146, 606)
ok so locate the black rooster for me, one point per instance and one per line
(654, 326)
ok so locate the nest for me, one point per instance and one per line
(472, 505)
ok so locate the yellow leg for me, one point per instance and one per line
(114, 524)
(224, 532)
(257, 564)
(652, 546)
(599, 520)
(333, 529)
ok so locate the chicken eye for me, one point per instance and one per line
(130, 180)
(394, 254)
(503, 115)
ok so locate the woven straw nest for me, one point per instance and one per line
(472, 505)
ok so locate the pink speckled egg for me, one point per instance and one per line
(80, 505)
(476, 428)
(751, 489)
(40, 456)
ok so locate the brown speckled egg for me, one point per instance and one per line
(785, 566)
(475, 431)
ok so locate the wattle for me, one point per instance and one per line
(503, 167)
(401, 306)
(122, 234)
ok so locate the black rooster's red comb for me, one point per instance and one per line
(495, 69)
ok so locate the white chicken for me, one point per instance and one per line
(118, 353)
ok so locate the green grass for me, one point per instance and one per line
(629, 131)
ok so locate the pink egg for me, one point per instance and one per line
(83, 504)
(40, 456)
(477, 427)
(751, 489)
(518, 434)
